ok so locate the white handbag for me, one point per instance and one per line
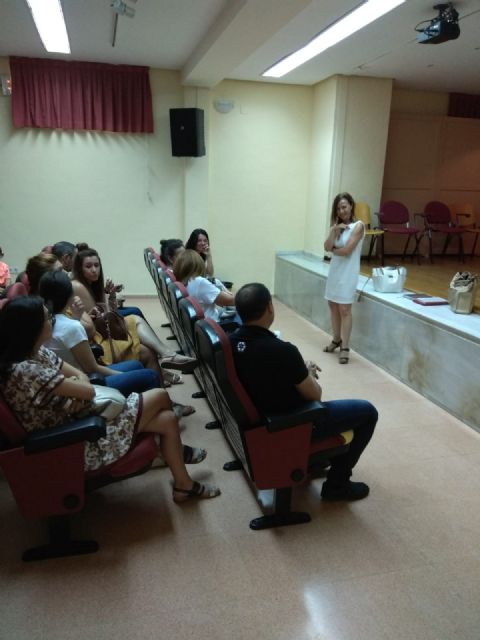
(108, 402)
(389, 279)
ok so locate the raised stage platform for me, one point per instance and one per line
(431, 349)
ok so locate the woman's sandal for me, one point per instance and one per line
(179, 362)
(172, 378)
(199, 491)
(193, 455)
(344, 355)
(182, 410)
(334, 344)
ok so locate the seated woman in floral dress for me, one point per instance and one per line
(41, 389)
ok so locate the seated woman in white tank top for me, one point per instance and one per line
(189, 268)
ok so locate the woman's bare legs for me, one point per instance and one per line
(158, 417)
(149, 339)
(335, 320)
(345, 311)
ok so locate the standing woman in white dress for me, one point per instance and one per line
(344, 241)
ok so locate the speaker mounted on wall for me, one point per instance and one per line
(187, 132)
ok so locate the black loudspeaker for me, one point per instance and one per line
(187, 132)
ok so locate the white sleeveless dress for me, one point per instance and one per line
(343, 274)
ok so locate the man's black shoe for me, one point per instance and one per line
(348, 491)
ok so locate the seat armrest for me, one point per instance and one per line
(97, 378)
(90, 428)
(310, 412)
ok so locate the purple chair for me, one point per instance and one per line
(438, 219)
(395, 220)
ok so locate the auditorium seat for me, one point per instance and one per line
(276, 450)
(45, 471)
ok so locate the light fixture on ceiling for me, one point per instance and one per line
(122, 8)
(50, 23)
(360, 17)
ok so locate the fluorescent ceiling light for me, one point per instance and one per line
(353, 21)
(48, 18)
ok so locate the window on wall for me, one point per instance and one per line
(91, 96)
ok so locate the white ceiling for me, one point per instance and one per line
(211, 40)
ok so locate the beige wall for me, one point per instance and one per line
(119, 193)
(272, 167)
(259, 171)
(349, 139)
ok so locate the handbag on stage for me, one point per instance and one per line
(389, 279)
(461, 292)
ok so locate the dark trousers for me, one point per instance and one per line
(342, 415)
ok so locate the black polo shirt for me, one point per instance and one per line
(268, 368)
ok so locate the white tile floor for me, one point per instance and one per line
(404, 564)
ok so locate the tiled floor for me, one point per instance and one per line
(404, 564)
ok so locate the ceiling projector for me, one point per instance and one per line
(442, 28)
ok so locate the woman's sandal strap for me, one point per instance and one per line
(198, 491)
(193, 455)
(334, 344)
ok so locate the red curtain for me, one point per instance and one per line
(464, 105)
(56, 94)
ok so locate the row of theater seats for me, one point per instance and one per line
(275, 451)
(45, 470)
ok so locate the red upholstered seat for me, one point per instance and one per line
(45, 471)
(275, 451)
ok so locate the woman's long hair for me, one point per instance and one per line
(188, 265)
(97, 289)
(351, 202)
(36, 267)
(21, 323)
(56, 289)
(168, 248)
(193, 239)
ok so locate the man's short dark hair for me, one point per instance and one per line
(251, 301)
(63, 248)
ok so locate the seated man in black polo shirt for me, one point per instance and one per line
(277, 379)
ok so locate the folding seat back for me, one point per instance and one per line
(176, 291)
(274, 450)
(189, 312)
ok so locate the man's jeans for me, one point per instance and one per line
(133, 377)
(342, 415)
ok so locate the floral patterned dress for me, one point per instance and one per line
(30, 392)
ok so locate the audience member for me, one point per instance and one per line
(345, 243)
(69, 341)
(65, 252)
(37, 266)
(4, 272)
(169, 251)
(200, 242)
(88, 284)
(189, 268)
(42, 390)
(277, 379)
